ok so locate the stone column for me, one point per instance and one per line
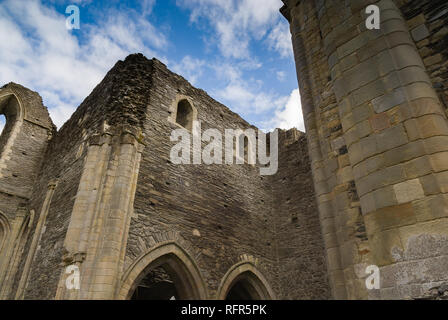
(97, 235)
(397, 137)
(35, 241)
(346, 245)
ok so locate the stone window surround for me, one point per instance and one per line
(173, 110)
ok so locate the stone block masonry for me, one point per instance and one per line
(388, 100)
(109, 202)
(367, 184)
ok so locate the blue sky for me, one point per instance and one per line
(239, 51)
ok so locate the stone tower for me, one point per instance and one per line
(101, 196)
(375, 110)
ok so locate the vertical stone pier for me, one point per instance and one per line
(97, 235)
(395, 134)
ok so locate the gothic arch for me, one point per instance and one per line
(10, 103)
(4, 231)
(246, 275)
(171, 256)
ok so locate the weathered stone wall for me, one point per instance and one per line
(375, 109)
(337, 199)
(301, 272)
(23, 143)
(221, 213)
(391, 143)
(64, 162)
(23, 146)
(428, 23)
(374, 104)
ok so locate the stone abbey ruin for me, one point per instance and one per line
(367, 185)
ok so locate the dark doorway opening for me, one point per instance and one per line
(156, 285)
(239, 292)
(184, 116)
(244, 288)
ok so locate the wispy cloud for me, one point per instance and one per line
(235, 25)
(288, 115)
(279, 39)
(36, 50)
(281, 75)
(147, 6)
(236, 22)
(246, 96)
(189, 67)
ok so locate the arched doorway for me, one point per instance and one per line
(244, 282)
(4, 231)
(244, 288)
(158, 284)
(165, 272)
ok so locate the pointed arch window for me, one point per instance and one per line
(9, 109)
(185, 114)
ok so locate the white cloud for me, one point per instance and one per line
(281, 75)
(227, 72)
(236, 22)
(245, 96)
(190, 68)
(147, 6)
(62, 112)
(78, 2)
(279, 39)
(37, 51)
(248, 100)
(289, 115)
